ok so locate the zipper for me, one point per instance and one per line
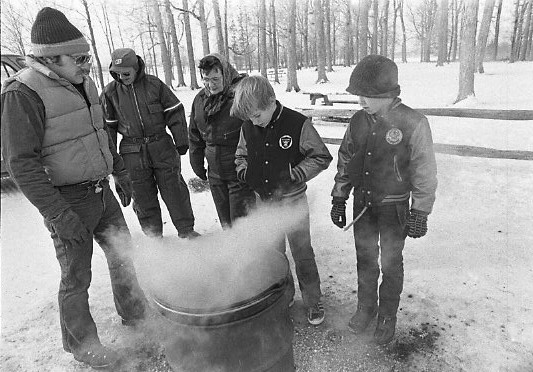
(397, 170)
(138, 111)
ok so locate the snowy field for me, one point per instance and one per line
(467, 303)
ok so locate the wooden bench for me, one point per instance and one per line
(271, 74)
(327, 100)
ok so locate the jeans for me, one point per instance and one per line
(101, 214)
(233, 199)
(381, 227)
(299, 237)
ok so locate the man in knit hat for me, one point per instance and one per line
(58, 152)
(140, 107)
(387, 158)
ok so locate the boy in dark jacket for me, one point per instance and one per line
(140, 107)
(214, 134)
(387, 157)
(279, 151)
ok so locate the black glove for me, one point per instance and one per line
(182, 150)
(69, 227)
(338, 211)
(124, 187)
(202, 174)
(417, 224)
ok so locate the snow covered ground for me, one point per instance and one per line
(468, 300)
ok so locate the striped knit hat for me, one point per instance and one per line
(53, 35)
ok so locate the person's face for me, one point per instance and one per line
(261, 118)
(72, 67)
(374, 105)
(213, 80)
(127, 75)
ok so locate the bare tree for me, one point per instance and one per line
(106, 28)
(384, 20)
(395, 8)
(467, 50)
(15, 29)
(274, 40)
(348, 54)
(262, 38)
(93, 43)
(190, 50)
(203, 27)
(375, 14)
(320, 42)
(292, 77)
(526, 35)
(175, 43)
(327, 22)
(443, 32)
(514, 47)
(167, 69)
(218, 23)
(226, 41)
(456, 7)
(363, 33)
(404, 33)
(497, 30)
(483, 34)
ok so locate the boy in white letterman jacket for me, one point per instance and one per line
(279, 150)
(387, 158)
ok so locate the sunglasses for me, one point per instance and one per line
(83, 59)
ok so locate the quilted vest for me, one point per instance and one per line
(75, 146)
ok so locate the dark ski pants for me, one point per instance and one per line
(150, 176)
(233, 199)
(381, 228)
(101, 214)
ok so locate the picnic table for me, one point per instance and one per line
(328, 99)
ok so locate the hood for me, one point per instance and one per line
(140, 73)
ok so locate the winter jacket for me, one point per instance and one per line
(141, 112)
(213, 133)
(277, 160)
(387, 158)
(51, 137)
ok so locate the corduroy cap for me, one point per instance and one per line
(52, 34)
(122, 59)
(375, 76)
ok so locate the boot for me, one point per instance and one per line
(385, 328)
(362, 318)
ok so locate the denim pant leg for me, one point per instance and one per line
(145, 200)
(304, 257)
(366, 236)
(176, 196)
(113, 236)
(220, 194)
(392, 241)
(78, 329)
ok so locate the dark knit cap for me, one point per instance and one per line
(122, 59)
(52, 34)
(375, 76)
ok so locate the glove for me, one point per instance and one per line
(202, 174)
(182, 150)
(417, 224)
(338, 211)
(69, 227)
(124, 187)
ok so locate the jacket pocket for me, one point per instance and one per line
(154, 108)
(129, 148)
(232, 134)
(397, 169)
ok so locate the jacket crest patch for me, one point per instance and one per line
(394, 136)
(285, 142)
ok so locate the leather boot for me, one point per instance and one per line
(362, 318)
(385, 328)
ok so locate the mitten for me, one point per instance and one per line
(124, 187)
(338, 211)
(202, 174)
(182, 150)
(69, 227)
(417, 224)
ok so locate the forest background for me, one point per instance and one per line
(277, 37)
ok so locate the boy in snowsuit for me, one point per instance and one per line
(387, 158)
(279, 150)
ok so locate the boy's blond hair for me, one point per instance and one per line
(252, 93)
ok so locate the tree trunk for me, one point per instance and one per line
(274, 40)
(93, 43)
(348, 35)
(404, 34)
(483, 34)
(203, 27)
(375, 32)
(262, 39)
(327, 22)
(497, 30)
(152, 42)
(363, 32)
(190, 50)
(385, 28)
(320, 46)
(393, 43)
(526, 40)
(175, 43)
(512, 57)
(354, 52)
(468, 50)
(226, 41)
(306, 33)
(220, 36)
(443, 32)
(162, 43)
(292, 77)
